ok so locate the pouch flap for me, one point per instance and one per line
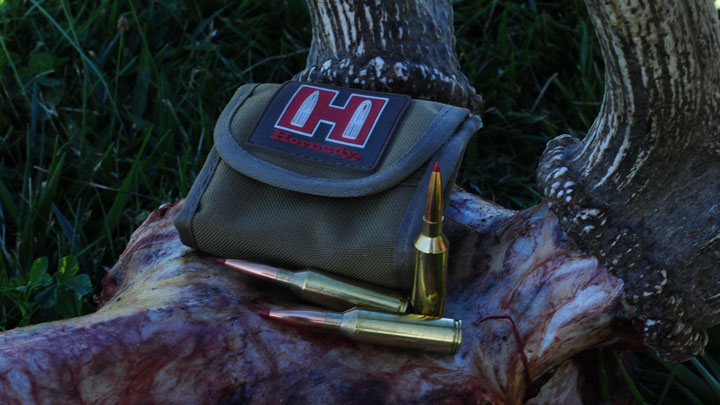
(331, 141)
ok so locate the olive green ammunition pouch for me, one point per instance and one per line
(318, 199)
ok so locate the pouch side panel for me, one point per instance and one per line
(183, 220)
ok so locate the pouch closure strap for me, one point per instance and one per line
(441, 128)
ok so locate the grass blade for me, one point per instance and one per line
(113, 215)
(604, 387)
(693, 382)
(79, 50)
(7, 200)
(631, 384)
(670, 380)
(709, 378)
(714, 366)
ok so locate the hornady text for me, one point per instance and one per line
(340, 150)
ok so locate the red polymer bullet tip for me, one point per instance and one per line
(436, 168)
(220, 260)
(264, 313)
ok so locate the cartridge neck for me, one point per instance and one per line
(254, 269)
(432, 229)
(284, 276)
(333, 320)
(303, 318)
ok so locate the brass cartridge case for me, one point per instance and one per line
(409, 331)
(328, 290)
(431, 246)
(428, 294)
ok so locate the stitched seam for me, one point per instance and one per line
(237, 108)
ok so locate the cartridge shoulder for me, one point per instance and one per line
(427, 244)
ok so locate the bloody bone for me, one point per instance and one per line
(175, 326)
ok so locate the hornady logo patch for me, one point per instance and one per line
(329, 125)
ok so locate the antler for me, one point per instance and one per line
(641, 191)
(406, 47)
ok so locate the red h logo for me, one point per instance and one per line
(351, 124)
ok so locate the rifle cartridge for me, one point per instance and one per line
(428, 293)
(328, 290)
(410, 331)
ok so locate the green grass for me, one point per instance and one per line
(539, 70)
(107, 110)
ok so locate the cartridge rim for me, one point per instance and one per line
(458, 336)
